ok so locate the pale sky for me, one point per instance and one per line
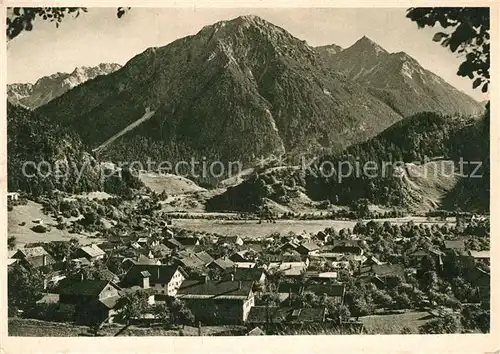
(98, 36)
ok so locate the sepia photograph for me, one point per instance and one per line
(247, 171)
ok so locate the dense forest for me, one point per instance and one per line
(43, 156)
(419, 139)
(59, 153)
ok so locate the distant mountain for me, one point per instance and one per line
(17, 92)
(399, 80)
(49, 87)
(236, 90)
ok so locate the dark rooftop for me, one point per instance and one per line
(195, 289)
(384, 270)
(85, 287)
(187, 241)
(328, 289)
(249, 274)
(160, 273)
(289, 287)
(310, 246)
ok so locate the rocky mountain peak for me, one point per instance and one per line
(399, 80)
(49, 87)
(367, 45)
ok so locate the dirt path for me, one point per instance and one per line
(128, 128)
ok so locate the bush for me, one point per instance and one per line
(474, 317)
(442, 325)
(51, 312)
(40, 228)
(406, 330)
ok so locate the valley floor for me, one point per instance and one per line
(254, 229)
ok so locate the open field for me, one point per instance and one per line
(393, 324)
(36, 328)
(169, 183)
(32, 211)
(252, 228)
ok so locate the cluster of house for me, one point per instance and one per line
(12, 196)
(181, 267)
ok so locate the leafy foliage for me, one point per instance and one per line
(43, 156)
(441, 325)
(24, 288)
(470, 36)
(475, 317)
(22, 18)
(11, 242)
(132, 305)
(180, 313)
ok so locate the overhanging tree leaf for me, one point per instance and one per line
(439, 36)
(22, 18)
(471, 35)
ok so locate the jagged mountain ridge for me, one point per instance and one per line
(246, 81)
(49, 87)
(328, 50)
(399, 80)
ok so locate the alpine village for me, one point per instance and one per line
(109, 249)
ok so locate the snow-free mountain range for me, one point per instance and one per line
(240, 89)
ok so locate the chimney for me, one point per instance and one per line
(145, 282)
(44, 261)
(239, 285)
